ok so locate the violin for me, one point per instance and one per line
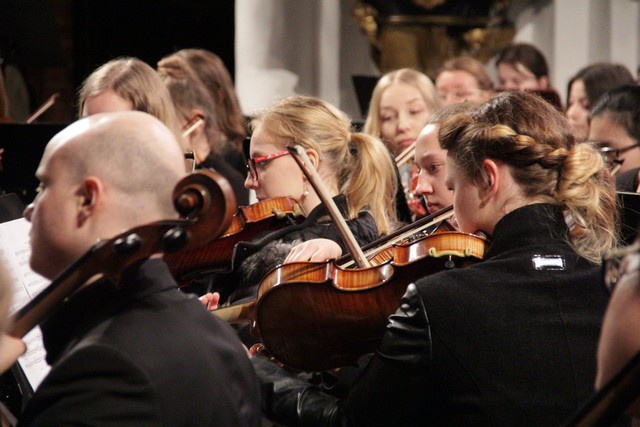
(266, 215)
(381, 250)
(206, 203)
(316, 316)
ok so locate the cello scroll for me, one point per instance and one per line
(204, 198)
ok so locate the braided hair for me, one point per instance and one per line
(533, 138)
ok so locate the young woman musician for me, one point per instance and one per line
(400, 104)
(192, 101)
(498, 342)
(355, 167)
(125, 84)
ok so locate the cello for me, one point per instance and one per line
(319, 316)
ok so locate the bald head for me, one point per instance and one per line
(100, 176)
(135, 155)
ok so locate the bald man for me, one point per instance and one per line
(144, 354)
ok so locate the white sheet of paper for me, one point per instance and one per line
(15, 251)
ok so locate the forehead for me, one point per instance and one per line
(457, 78)
(52, 164)
(603, 129)
(577, 89)
(428, 140)
(398, 93)
(453, 170)
(517, 69)
(262, 141)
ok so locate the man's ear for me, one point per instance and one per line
(491, 173)
(88, 195)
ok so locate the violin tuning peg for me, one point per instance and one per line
(127, 245)
(174, 239)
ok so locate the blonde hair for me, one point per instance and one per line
(188, 92)
(531, 136)
(416, 79)
(135, 81)
(362, 164)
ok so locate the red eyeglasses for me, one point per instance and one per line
(252, 163)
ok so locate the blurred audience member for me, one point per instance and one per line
(586, 88)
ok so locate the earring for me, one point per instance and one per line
(305, 190)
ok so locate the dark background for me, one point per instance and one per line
(57, 43)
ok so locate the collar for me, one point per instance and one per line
(536, 224)
(91, 305)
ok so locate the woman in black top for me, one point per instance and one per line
(355, 167)
(510, 340)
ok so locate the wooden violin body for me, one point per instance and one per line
(319, 316)
(266, 215)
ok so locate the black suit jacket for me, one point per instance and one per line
(142, 355)
(508, 341)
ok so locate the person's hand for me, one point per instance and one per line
(315, 250)
(210, 300)
(10, 349)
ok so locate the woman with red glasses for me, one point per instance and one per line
(356, 169)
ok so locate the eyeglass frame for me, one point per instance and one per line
(252, 163)
(611, 262)
(606, 150)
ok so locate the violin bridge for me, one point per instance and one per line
(433, 252)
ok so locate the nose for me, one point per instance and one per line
(423, 187)
(28, 211)
(250, 183)
(404, 124)
(571, 111)
(449, 99)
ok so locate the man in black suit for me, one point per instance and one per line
(142, 354)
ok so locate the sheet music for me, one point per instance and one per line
(15, 251)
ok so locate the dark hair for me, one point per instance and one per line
(599, 78)
(470, 66)
(214, 74)
(621, 106)
(527, 55)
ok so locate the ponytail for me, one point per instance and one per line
(370, 181)
(587, 191)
